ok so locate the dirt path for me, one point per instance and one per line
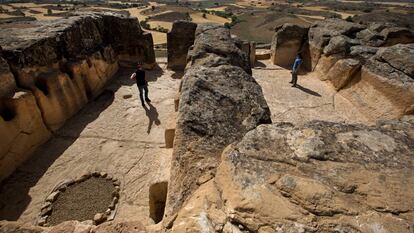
(312, 100)
(113, 134)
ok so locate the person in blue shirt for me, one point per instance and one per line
(295, 69)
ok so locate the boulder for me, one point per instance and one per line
(321, 176)
(179, 40)
(287, 42)
(219, 102)
(342, 72)
(214, 46)
(321, 33)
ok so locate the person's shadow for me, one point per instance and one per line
(152, 115)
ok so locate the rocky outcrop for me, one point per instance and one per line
(50, 69)
(287, 42)
(219, 103)
(316, 177)
(366, 64)
(179, 40)
(384, 87)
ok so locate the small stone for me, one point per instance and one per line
(109, 177)
(108, 212)
(241, 227)
(104, 174)
(53, 196)
(117, 183)
(45, 205)
(118, 189)
(115, 194)
(83, 178)
(99, 218)
(41, 221)
(46, 211)
(96, 174)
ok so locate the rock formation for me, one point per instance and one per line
(317, 177)
(286, 43)
(49, 71)
(219, 103)
(179, 40)
(366, 64)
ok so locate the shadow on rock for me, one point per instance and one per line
(309, 91)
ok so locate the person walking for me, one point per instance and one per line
(139, 76)
(295, 69)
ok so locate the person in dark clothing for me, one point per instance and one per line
(139, 76)
(295, 69)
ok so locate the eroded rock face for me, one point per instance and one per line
(369, 65)
(318, 177)
(219, 102)
(286, 43)
(60, 65)
(179, 40)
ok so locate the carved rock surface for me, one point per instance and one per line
(219, 102)
(286, 43)
(321, 176)
(59, 65)
(179, 40)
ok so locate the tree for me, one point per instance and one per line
(204, 15)
(49, 11)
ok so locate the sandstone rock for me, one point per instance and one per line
(385, 89)
(16, 227)
(342, 72)
(219, 102)
(252, 54)
(179, 40)
(120, 227)
(263, 54)
(22, 130)
(397, 35)
(214, 46)
(321, 176)
(337, 44)
(71, 227)
(362, 52)
(53, 196)
(64, 63)
(7, 82)
(321, 32)
(286, 43)
(99, 218)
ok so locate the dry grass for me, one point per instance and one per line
(198, 18)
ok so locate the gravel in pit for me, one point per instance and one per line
(82, 201)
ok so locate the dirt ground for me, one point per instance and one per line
(112, 134)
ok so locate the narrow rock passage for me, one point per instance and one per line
(313, 99)
(112, 134)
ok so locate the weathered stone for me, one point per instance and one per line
(287, 43)
(17, 227)
(252, 55)
(219, 102)
(363, 52)
(99, 218)
(22, 130)
(53, 196)
(325, 177)
(385, 88)
(131, 226)
(321, 33)
(7, 82)
(179, 40)
(397, 35)
(342, 72)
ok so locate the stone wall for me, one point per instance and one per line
(219, 103)
(179, 40)
(50, 70)
(366, 64)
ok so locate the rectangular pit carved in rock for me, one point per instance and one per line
(157, 199)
